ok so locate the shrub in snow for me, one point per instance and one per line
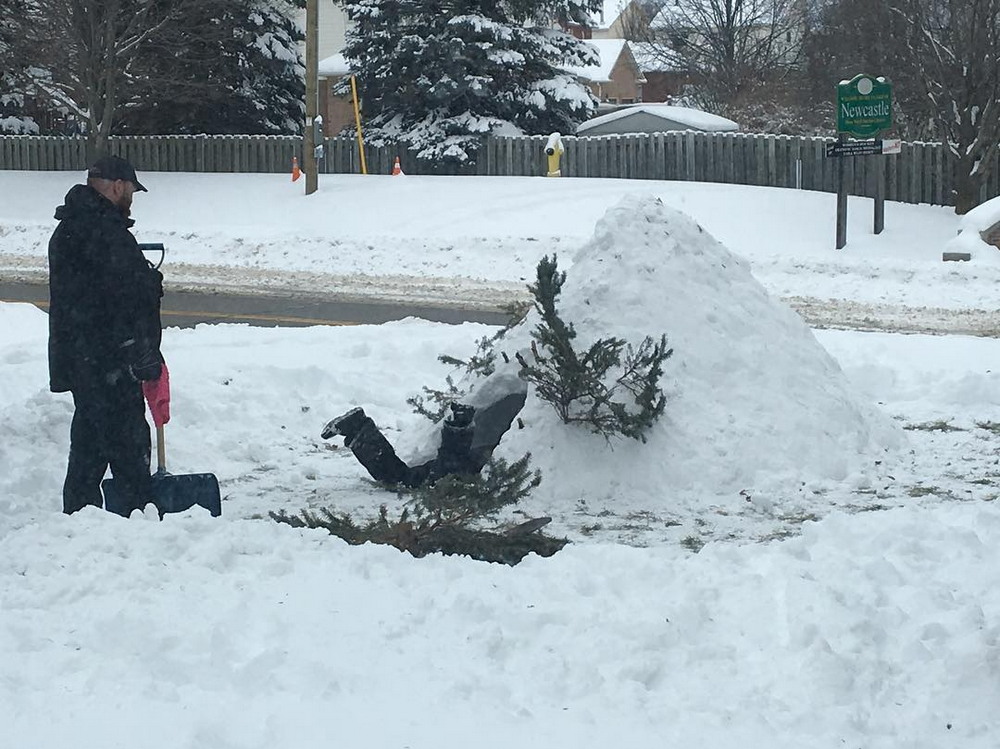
(13, 121)
(586, 387)
(18, 126)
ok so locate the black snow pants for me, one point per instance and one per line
(377, 455)
(109, 428)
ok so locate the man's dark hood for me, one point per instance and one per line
(83, 201)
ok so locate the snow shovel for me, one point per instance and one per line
(170, 493)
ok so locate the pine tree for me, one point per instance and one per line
(437, 77)
(160, 66)
(248, 81)
(13, 118)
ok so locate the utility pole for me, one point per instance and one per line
(312, 73)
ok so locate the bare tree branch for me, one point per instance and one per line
(82, 52)
(729, 47)
(955, 47)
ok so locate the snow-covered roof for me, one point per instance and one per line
(693, 118)
(334, 65)
(656, 58)
(609, 50)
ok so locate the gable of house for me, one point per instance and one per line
(616, 77)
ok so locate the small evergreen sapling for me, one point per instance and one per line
(585, 387)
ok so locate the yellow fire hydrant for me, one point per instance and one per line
(554, 150)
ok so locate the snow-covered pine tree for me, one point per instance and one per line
(161, 66)
(13, 119)
(248, 81)
(437, 76)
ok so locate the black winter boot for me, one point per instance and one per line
(346, 425)
(456, 439)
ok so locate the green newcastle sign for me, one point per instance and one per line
(864, 106)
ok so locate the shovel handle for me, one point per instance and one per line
(161, 451)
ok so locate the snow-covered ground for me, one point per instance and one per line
(801, 555)
(475, 241)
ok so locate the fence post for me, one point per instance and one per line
(842, 193)
(772, 164)
(939, 197)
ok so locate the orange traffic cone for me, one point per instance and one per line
(296, 172)
(397, 169)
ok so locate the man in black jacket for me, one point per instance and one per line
(104, 334)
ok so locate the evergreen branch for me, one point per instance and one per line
(583, 389)
(439, 517)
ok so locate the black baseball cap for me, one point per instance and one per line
(115, 167)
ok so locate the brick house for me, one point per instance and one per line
(337, 111)
(616, 79)
(665, 75)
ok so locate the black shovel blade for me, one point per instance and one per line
(170, 494)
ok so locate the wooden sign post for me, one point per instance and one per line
(864, 109)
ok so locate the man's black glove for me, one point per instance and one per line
(146, 367)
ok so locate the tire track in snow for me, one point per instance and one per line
(478, 294)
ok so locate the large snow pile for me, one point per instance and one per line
(754, 402)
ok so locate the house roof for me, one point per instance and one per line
(693, 118)
(657, 58)
(334, 65)
(609, 51)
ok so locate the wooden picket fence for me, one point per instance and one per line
(921, 173)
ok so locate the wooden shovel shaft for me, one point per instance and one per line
(161, 450)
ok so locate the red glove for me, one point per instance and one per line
(157, 394)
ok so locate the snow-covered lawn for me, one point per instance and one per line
(802, 555)
(477, 240)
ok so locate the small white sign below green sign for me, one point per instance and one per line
(864, 106)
